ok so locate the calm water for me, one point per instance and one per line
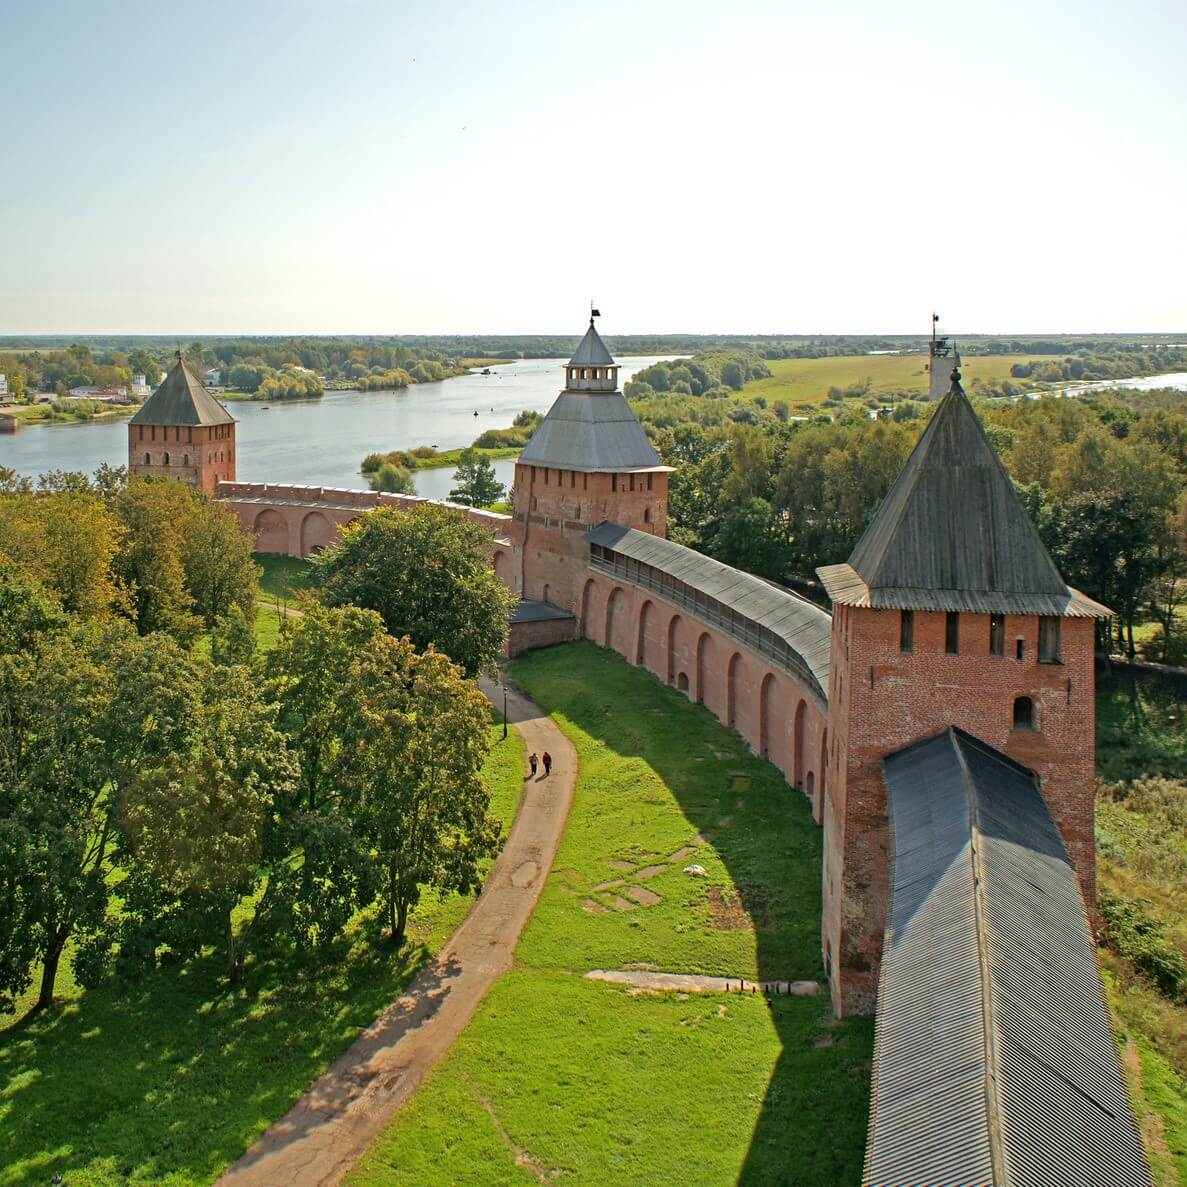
(322, 442)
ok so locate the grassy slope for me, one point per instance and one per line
(806, 381)
(1142, 730)
(168, 1081)
(584, 1078)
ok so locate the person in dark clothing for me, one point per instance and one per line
(532, 761)
(547, 763)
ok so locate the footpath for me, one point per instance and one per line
(325, 1133)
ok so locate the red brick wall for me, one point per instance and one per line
(882, 700)
(527, 636)
(202, 455)
(735, 684)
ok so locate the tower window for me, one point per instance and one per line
(148, 459)
(185, 459)
(1048, 640)
(952, 633)
(649, 477)
(1024, 713)
(166, 459)
(997, 634)
(614, 482)
(1019, 648)
(906, 631)
(647, 515)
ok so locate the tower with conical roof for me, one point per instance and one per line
(949, 612)
(183, 432)
(588, 462)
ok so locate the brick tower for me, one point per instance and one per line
(183, 432)
(587, 463)
(949, 612)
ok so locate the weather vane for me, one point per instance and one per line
(593, 312)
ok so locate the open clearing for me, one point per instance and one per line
(806, 381)
(595, 1083)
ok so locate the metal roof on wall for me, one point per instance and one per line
(805, 627)
(952, 529)
(995, 1061)
(594, 431)
(182, 400)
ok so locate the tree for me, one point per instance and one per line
(427, 573)
(475, 484)
(393, 479)
(200, 822)
(80, 712)
(751, 538)
(216, 554)
(67, 542)
(26, 611)
(154, 514)
(417, 749)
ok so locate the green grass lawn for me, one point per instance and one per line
(806, 381)
(283, 577)
(557, 1074)
(168, 1081)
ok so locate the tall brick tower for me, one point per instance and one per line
(183, 432)
(949, 612)
(587, 463)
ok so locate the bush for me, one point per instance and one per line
(1137, 937)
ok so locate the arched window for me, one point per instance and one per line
(148, 459)
(1024, 713)
(166, 459)
(185, 459)
(646, 514)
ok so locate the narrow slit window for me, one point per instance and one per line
(952, 633)
(1019, 648)
(997, 634)
(906, 631)
(1048, 640)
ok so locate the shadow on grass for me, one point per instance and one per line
(170, 1079)
(811, 1128)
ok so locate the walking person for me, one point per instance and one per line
(547, 763)
(532, 761)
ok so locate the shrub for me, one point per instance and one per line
(1137, 937)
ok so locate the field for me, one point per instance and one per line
(559, 1076)
(1141, 829)
(167, 1081)
(807, 381)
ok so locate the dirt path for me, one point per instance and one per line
(322, 1136)
(696, 983)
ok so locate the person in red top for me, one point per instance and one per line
(547, 763)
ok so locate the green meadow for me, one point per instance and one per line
(562, 1077)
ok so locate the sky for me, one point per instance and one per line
(758, 166)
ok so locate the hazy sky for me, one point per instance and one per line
(388, 166)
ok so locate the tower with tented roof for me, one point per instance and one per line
(948, 613)
(588, 462)
(183, 432)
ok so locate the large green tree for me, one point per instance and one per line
(427, 573)
(82, 712)
(474, 481)
(417, 747)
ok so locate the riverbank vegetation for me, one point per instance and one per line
(558, 1076)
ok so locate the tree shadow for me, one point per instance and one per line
(812, 1123)
(180, 1072)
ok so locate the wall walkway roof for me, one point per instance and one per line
(995, 1061)
(780, 624)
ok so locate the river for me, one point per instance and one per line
(322, 442)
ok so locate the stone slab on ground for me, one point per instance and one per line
(643, 896)
(696, 983)
(325, 1133)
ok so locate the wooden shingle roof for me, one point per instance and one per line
(182, 400)
(953, 535)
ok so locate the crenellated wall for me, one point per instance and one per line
(299, 520)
